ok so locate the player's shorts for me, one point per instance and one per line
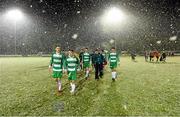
(57, 74)
(86, 65)
(113, 65)
(72, 75)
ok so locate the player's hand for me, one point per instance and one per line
(50, 69)
(65, 71)
(78, 69)
(80, 63)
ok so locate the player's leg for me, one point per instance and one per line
(70, 80)
(113, 69)
(57, 76)
(73, 86)
(72, 77)
(157, 58)
(164, 59)
(146, 58)
(96, 72)
(113, 74)
(87, 71)
(101, 70)
(59, 84)
(81, 65)
(59, 81)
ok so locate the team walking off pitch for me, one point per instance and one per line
(68, 65)
(56, 66)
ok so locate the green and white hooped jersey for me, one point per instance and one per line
(57, 60)
(86, 57)
(113, 58)
(72, 64)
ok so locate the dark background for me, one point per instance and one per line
(54, 22)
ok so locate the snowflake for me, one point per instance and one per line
(65, 25)
(43, 11)
(158, 42)
(75, 36)
(173, 38)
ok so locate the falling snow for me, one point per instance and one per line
(158, 42)
(78, 12)
(148, 25)
(75, 36)
(173, 38)
(65, 25)
(43, 11)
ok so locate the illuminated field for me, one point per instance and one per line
(142, 89)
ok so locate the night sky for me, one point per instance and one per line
(150, 19)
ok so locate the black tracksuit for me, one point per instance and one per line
(98, 60)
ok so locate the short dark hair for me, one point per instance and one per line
(71, 50)
(113, 48)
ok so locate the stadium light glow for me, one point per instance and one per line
(113, 16)
(15, 15)
(112, 21)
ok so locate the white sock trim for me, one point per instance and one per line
(59, 85)
(87, 73)
(73, 87)
(114, 75)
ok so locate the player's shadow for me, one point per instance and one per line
(79, 84)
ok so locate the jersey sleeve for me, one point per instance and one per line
(51, 61)
(77, 62)
(65, 63)
(81, 56)
(63, 60)
(108, 56)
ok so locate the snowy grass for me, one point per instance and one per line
(141, 89)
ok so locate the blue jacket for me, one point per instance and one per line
(98, 59)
